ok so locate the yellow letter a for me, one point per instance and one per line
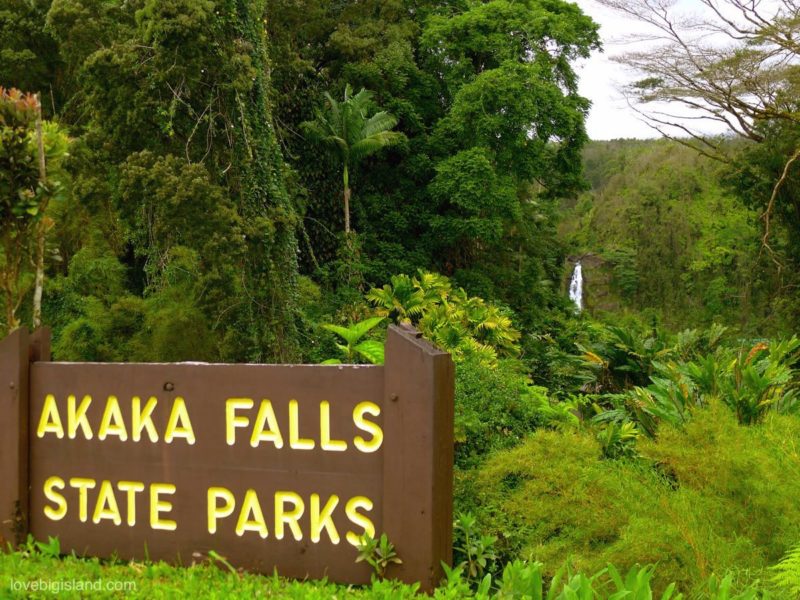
(50, 421)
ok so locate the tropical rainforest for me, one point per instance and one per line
(280, 180)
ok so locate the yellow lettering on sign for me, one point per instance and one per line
(215, 511)
(131, 488)
(323, 520)
(112, 413)
(257, 523)
(50, 421)
(106, 507)
(357, 518)
(83, 486)
(367, 408)
(142, 419)
(326, 443)
(60, 511)
(179, 424)
(295, 441)
(266, 416)
(232, 421)
(77, 417)
(288, 517)
(158, 506)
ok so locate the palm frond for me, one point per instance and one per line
(378, 123)
(370, 145)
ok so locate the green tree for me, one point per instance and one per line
(505, 69)
(489, 144)
(29, 57)
(347, 128)
(25, 193)
(19, 185)
(181, 87)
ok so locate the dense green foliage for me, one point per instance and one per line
(671, 237)
(203, 159)
(33, 564)
(154, 118)
(513, 411)
(420, 204)
(171, 109)
(711, 497)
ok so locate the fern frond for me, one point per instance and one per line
(787, 573)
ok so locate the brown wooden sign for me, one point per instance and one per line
(272, 466)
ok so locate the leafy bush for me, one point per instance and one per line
(378, 553)
(495, 407)
(751, 381)
(618, 439)
(624, 357)
(621, 357)
(355, 347)
(473, 552)
(466, 326)
(96, 320)
(708, 498)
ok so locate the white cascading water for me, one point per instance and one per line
(576, 286)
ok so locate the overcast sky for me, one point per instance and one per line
(600, 79)
(609, 117)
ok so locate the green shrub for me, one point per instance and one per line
(751, 380)
(713, 497)
(621, 357)
(495, 408)
(751, 475)
(466, 326)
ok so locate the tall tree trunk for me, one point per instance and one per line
(347, 211)
(11, 317)
(39, 284)
(41, 229)
(346, 179)
(264, 203)
(10, 281)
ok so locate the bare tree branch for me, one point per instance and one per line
(737, 63)
(767, 215)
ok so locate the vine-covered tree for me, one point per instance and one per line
(180, 88)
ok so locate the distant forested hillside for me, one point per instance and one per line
(666, 233)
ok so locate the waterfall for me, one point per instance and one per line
(576, 286)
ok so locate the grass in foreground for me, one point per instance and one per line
(25, 575)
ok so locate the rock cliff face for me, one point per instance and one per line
(598, 294)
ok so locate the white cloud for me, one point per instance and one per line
(601, 79)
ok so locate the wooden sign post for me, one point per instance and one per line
(272, 466)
